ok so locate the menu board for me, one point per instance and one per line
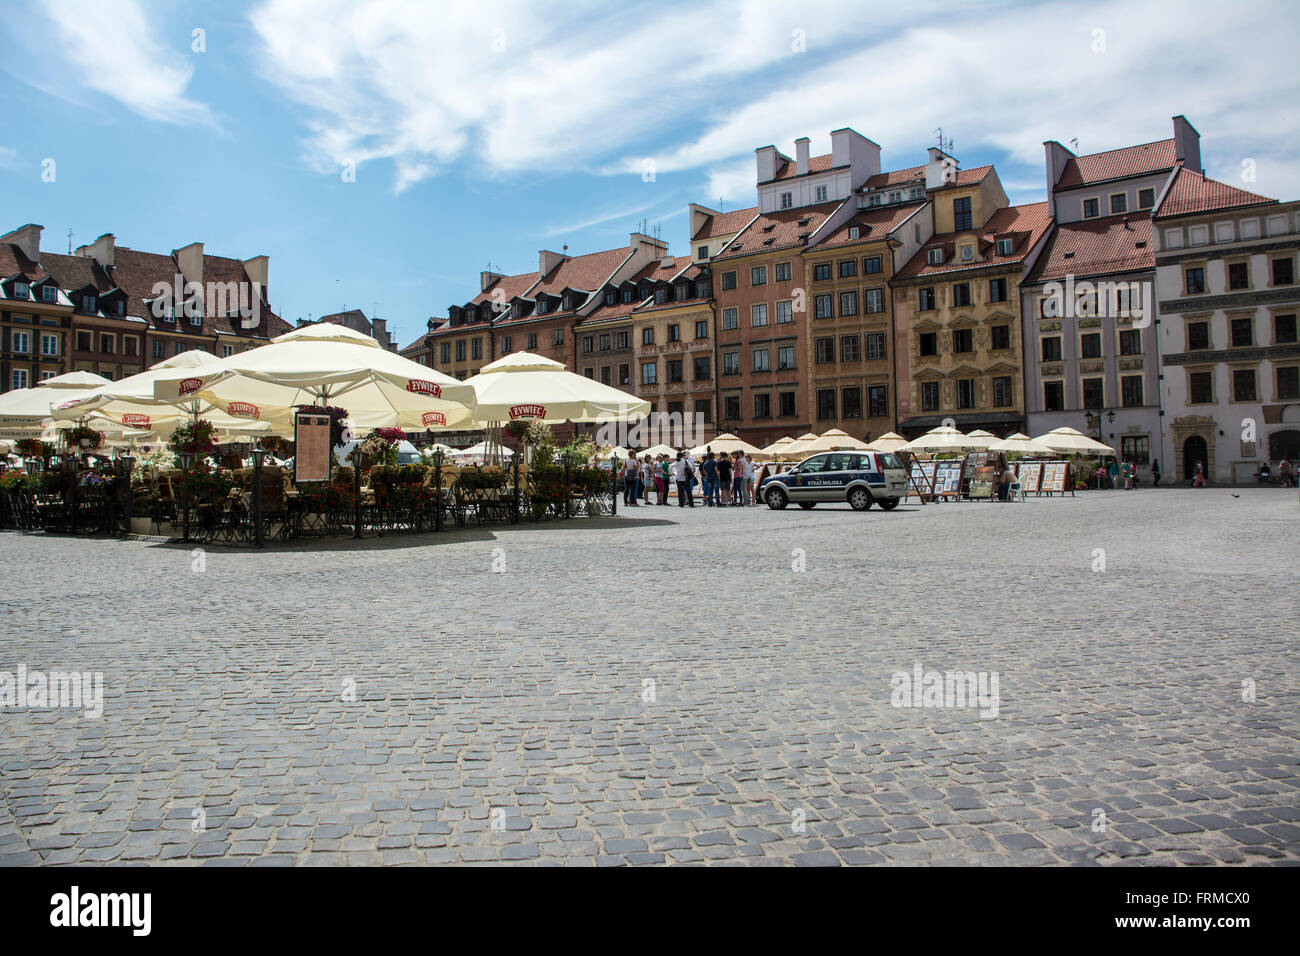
(1029, 473)
(312, 447)
(947, 478)
(922, 478)
(1054, 476)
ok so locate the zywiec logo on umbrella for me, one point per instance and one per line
(189, 386)
(243, 410)
(434, 418)
(421, 387)
(70, 403)
(134, 420)
(527, 411)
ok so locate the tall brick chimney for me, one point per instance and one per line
(28, 239)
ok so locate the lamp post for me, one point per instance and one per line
(438, 457)
(566, 458)
(128, 498)
(259, 456)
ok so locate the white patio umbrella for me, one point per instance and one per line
(1070, 441)
(1020, 444)
(654, 451)
(834, 440)
(26, 410)
(523, 386)
(984, 438)
(725, 444)
(475, 451)
(797, 447)
(943, 439)
(778, 448)
(889, 441)
(326, 364)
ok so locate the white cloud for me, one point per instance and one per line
(8, 157)
(517, 88)
(112, 46)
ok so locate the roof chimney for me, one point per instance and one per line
(101, 250)
(547, 261)
(801, 155)
(766, 156)
(258, 270)
(28, 239)
(190, 260)
(940, 170)
(1187, 144)
(1055, 158)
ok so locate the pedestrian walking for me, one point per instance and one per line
(1285, 472)
(647, 473)
(1155, 472)
(750, 471)
(737, 479)
(724, 478)
(631, 478)
(661, 480)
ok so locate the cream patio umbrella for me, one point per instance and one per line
(984, 438)
(889, 441)
(796, 449)
(834, 440)
(725, 444)
(943, 440)
(777, 449)
(654, 451)
(1069, 441)
(25, 411)
(523, 386)
(325, 364)
(1021, 445)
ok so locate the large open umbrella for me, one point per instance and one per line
(725, 444)
(326, 364)
(1021, 445)
(1069, 441)
(798, 447)
(24, 411)
(942, 440)
(777, 449)
(889, 441)
(834, 440)
(654, 451)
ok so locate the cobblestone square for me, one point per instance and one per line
(670, 686)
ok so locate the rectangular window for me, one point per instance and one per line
(1091, 208)
(460, 351)
(648, 335)
(602, 342)
(1200, 388)
(873, 300)
(965, 393)
(1002, 391)
(227, 351)
(961, 294)
(849, 303)
(728, 280)
(19, 342)
(49, 293)
(1238, 275)
(870, 265)
(1000, 337)
(824, 306)
(731, 408)
(925, 301)
(675, 370)
(929, 342)
(997, 290)
(702, 329)
(1288, 384)
(703, 368)
(1284, 329)
(730, 319)
(1118, 204)
(49, 345)
(876, 346)
(783, 272)
(19, 378)
(758, 275)
(107, 343)
(158, 349)
(620, 340)
(674, 333)
(1195, 281)
(1052, 348)
(820, 194)
(701, 252)
(730, 363)
(825, 348)
(649, 373)
(1243, 385)
(961, 214)
(1131, 390)
(825, 404)
(1090, 347)
(929, 396)
(962, 340)
(878, 401)
(787, 200)
(784, 312)
(848, 268)
(625, 374)
(604, 375)
(850, 349)
(762, 406)
(476, 348)
(704, 409)
(1283, 271)
(786, 404)
(1053, 396)
(1146, 198)
(1198, 335)
(785, 357)
(934, 257)
(1243, 332)
(1005, 247)
(1130, 342)
(821, 271)
(445, 353)
(758, 314)
(762, 360)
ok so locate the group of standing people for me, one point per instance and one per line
(1123, 474)
(724, 479)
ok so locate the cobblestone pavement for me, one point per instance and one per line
(510, 716)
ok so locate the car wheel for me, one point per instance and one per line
(889, 504)
(777, 499)
(860, 499)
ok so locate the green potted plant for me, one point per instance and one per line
(84, 436)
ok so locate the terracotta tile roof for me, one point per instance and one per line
(875, 222)
(1025, 224)
(1118, 163)
(816, 164)
(1096, 247)
(75, 272)
(968, 177)
(1192, 193)
(511, 285)
(726, 223)
(895, 177)
(14, 262)
(588, 272)
(780, 229)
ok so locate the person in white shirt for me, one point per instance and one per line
(750, 472)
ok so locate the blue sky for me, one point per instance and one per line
(482, 132)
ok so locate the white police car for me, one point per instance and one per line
(859, 477)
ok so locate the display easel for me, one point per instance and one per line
(920, 478)
(948, 478)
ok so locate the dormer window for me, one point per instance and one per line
(661, 296)
(568, 303)
(934, 257)
(541, 307)
(88, 303)
(1005, 247)
(49, 293)
(627, 295)
(855, 232)
(787, 200)
(611, 297)
(875, 199)
(821, 194)
(21, 290)
(896, 196)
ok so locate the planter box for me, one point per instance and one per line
(141, 526)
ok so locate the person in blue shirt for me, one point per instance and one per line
(709, 475)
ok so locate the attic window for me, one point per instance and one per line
(20, 290)
(805, 220)
(934, 257)
(1141, 244)
(768, 242)
(1005, 246)
(49, 293)
(854, 232)
(1068, 255)
(769, 227)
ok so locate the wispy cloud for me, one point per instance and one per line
(112, 47)
(597, 220)
(8, 157)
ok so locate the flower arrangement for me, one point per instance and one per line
(33, 448)
(380, 446)
(275, 445)
(159, 459)
(337, 415)
(83, 435)
(196, 438)
(473, 479)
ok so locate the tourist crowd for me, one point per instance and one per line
(723, 479)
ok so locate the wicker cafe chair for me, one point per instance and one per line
(453, 497)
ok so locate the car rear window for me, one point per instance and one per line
(889, 460)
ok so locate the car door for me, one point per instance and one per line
(834, 478)
(802, 484)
